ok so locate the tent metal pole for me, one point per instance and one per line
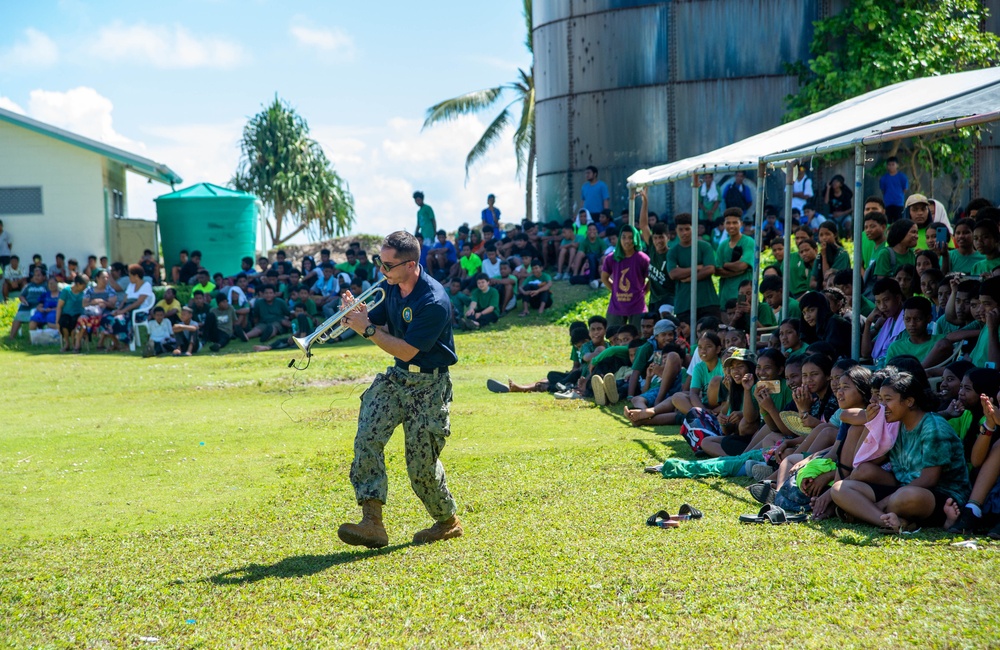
(695, 244)
(631, 206)
(786, 264)
(859, 204)
(758, 238)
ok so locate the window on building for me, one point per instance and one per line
(117, 204)
(20, 200)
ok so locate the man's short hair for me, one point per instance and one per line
(733, 212)
(977, 204)
(406, 245)
(580, 335)
(877, 217)
(60, 256)
(480, 276)
(843, 277)
(682, 219)
(441, 232)
(158, 310)
(15, 257)
(634, 343)
(771, 283)
(875, 199)
(418, 194)
(325, 251)
(197, 292)
(990, 287)
(659, 228)
(921, 304)
(490, 246)
(266, 287)
(488, 228)
(985, 221)
(184, 251)
(597, 319)
(629, 328)
(969, 287)
(221, 296)
(892, 159)
(195, 254)
(591, 168)
(887, 285)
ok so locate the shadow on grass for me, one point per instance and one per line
(297, 566)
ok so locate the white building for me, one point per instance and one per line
(62, 192)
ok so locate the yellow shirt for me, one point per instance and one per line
(167, 306)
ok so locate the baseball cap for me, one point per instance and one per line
(913, 199)
(666, 309)
(740, 354)
(662, 326)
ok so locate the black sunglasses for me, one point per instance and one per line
(377, 259)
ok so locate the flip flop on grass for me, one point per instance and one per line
(496, 387)
(774, 515)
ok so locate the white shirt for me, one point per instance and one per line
(804, 186)
(241, 298)
(491, 269)
(10, 273)
(144, 290)
(160, 332)
(5, 243)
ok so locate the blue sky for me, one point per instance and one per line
(176, 82)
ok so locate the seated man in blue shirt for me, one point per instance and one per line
(441, 257)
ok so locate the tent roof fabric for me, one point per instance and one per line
(908, 103)
(142, 166)
(205, 191)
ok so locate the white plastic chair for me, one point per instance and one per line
(134, 343)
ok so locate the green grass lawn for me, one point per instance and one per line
(195, 502)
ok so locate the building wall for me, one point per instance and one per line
(72, 182)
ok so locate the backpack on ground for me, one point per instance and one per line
(699, 424)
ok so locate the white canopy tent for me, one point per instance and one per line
(907, 109)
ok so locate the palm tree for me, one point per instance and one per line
(523, 91)
(288, 171)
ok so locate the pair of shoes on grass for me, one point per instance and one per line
(605, 389)
(763, 492)
(664, 519)
(568, 394)
(758, 470)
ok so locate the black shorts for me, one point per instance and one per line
(935, 520)
(735, 445)
(68, 321)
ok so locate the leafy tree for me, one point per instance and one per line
(523, 91)
(876, 43)
(290, 174)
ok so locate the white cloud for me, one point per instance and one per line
(10, 105)
(36, 50)
(81, 110)
(329, 41)
(384, 166)
(165, 47)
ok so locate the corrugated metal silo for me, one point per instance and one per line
(627, 84)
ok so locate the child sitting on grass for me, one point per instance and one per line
(485, 306)
(556, 381)
(161, 333)
(535, 292)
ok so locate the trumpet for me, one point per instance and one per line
(331, 328)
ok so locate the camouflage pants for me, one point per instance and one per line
(421, 404)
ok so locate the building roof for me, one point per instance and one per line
(205, 191)
(142, 166)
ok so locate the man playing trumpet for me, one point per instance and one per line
(413, 324)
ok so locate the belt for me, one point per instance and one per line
(412, 367)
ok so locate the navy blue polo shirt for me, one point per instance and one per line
(422, 319)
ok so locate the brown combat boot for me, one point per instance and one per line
(439, 531)
(369, 532)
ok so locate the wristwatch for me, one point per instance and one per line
(984, 431)
(369, 332)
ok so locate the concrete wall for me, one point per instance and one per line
(72, 182)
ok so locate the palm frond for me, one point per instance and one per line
(466, 104)
(528, 27)
(490, 137)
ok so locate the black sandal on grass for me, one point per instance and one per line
(691, 511)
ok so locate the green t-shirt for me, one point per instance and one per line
(661, 287)
(595, 247)
(701, 376)
(208, 289)
(964, 263)
(642, 357)
(72, 302)
(619, 352)
(985, 266)
(347, 267)
(680, 257)
(869, 250)
(471, 264)
(765, 315)
(840, 262)
(933, 443)
(903, 345)
(308, 305)
(884, 266)
(273, 313)
(943, 326)
(460, 301)
(794, 311)
(981, 353)
(798, 280)
(729, 288)
(425, 220)
(489, 298)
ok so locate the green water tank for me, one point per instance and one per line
(220, 222)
